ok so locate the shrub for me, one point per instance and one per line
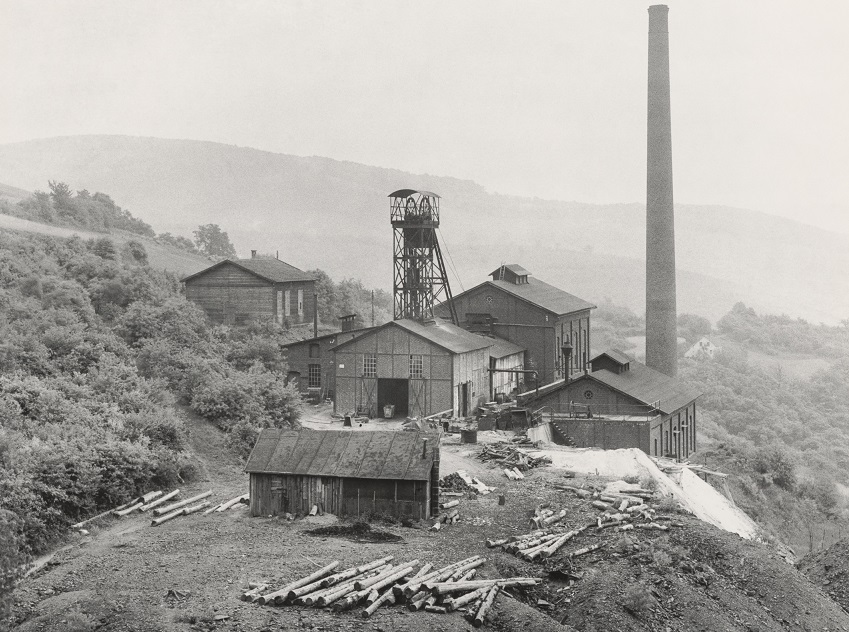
(777, 466)
(13, 558)
(637, 599)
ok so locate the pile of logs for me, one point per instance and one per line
(380, 583)
(623, 511)
(512, 458)
(154, 501)
(461, 481)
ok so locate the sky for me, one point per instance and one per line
(544, 99)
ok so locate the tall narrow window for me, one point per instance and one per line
(280, 306)
(300, 302)
(416, 366)
(287, 308)
(369, 365)
(315, 350)
(314, 376)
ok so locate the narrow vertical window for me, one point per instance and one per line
(314, 376)
(416, 366)
(369, 365)
(287, 309)
(300, 302)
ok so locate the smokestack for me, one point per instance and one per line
(661, 322)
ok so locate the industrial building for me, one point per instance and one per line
(345, 473)
(235, 291)
(312, 364)
(620, 403)
(421, 369)
(532, 314)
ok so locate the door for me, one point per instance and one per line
(368, 390)
(395, 391)
(418, 399)
(463, 399)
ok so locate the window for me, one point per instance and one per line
(369, 365)
(314, 376)
(280, 306)
(287, 309)
(300, 302)
(416, 366)
(315, 350)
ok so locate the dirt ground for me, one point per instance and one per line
(180, 576)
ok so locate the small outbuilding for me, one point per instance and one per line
(235, 291)
(345, 472)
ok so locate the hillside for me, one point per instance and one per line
(271, 202)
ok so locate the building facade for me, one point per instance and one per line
(344, 472)
(311, 363)
(622, 403)
(420, 369)
(234, 292)
(532, 314)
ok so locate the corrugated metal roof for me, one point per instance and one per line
(272, 270)
(515, 268)
(342, 336)
(647, 385)
(445, 335)
(382, 454)
(544, 295)
(615, 354)
(502, 348)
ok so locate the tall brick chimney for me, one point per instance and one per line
(661, 317)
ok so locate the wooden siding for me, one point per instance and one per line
(229, 294)
(274, 494)
(506, 382)
(471, 368)
(393, 347)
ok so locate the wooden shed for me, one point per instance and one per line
(345, 472)
(235, 291)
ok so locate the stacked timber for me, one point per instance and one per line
(512, 458)
(382, 583)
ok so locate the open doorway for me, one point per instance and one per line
(393, 391)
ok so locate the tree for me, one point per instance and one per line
(13, 559)
(61, 193)
(211, 240)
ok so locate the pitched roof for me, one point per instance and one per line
(515, 268)
(445, 335)
(502, 348)
(382, 454)
(347, 335)
(616, 355)
(272, 270)
(648, 386)
(543, 295)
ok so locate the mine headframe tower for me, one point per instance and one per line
(420, 279)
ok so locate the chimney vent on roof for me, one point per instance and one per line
(253, 254)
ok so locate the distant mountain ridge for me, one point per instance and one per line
(333, 215)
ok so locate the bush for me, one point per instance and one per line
(13, 558)
(777, 466)
(637, 599)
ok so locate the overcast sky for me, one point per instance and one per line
(543, 99)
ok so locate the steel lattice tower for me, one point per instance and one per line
(419, 278)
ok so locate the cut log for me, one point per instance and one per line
(190, 510)
(448, 505)
(314, 510)
(585, 550)
(82, 523)
(509, 474)
(653, 525)
(378, 583)
(128, 510)
(412, 587)
(445, 588)
(160, 500)
(233, 501)
(337, 592)
(364, 582)
(552, 548)
(169, 516)
(211, 509)
(326, 570)
(555, 518)
(600, 505)
(146, 498)
(459, 602)
(417, 601)
(436, 609)
(491, 544)
(485, 606)
(179, 505)
(353, 572)
(254, 592)
(387, 598)
(518, 473)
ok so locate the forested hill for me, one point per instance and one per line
(322, 213)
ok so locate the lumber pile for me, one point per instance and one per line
(382, 583)
(460, 481)
(513, 459)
